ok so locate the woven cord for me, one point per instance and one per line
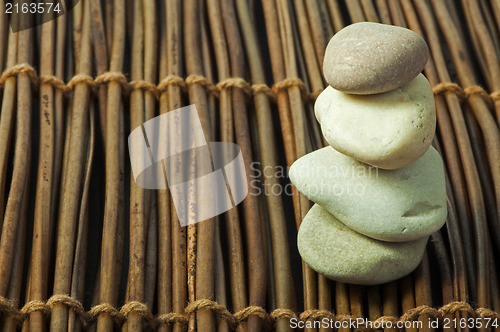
(233, 319)
(214, 89)
(465, 94)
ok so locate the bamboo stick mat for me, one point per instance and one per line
(82, 247)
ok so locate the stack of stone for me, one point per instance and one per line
(379, 187)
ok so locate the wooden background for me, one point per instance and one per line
(82, 247)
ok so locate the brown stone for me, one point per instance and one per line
(369, 58)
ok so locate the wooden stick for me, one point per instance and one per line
(150, 70)
(71, 185)
(7, 119)
(102, 42)
(77, 32)
(328, 29)
(407, 296)
(150, 269)
(167, 247)
(442, 258)
(449, 143)
(300, 133)
(22, 157)
(495, 291)
(121, 232)
(4, 33)
(281, 256)
(356, 300)
(496, 10)
(374, 304)
(10, 324)
(172, 290)
(24, 86)
(313, 77)
(101, 59)
(383, 11)
(314, 66)
(220, 276)
(112, 220)
(278, 68)
(228, 132)
(315, 32)
(296, 103)
(109, 18)
(95, 298)
(485, 176)
(95, 289)
(137, 253)
(355, 11)
(369, 10)
(390, 300)
(462, 136)
(454, 252)
(493, 148)
(318, 32)
(396, 13)
(150, 76)
(484, 117)
(220, 279)
(335, 15)
(423, 291)
(342, 305)
(42, 230)
(59, 123)
(445, 268)
(101, 30)
(422, 275)
(64, 165)
(201, 238)
(208, 63)
(459, 272)
(165, 236)
(254, 239)
(314, 133)
(80, 260)
(488, 14)
(474, 37)
(129, 19)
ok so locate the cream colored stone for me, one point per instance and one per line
(388, 130)
(367, 58)
(390, 205)
(336, 251)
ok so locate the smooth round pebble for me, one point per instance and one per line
(368, 58)
(388, 130)
(336, 251)
(389, 205)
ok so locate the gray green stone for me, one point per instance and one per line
(341, 254)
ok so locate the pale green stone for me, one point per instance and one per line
(341, 254)
(388, 130)
(390, 205)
